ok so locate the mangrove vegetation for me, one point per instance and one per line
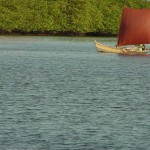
(64, 17)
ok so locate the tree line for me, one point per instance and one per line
(64, 17)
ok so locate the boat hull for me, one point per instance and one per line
(118, 50)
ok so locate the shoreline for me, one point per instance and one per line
(71, 34)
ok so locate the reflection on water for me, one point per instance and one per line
(58, 93)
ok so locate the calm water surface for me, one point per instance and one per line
(58, 93)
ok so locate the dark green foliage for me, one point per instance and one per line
(64, 16)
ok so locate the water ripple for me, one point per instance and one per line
(59, 94)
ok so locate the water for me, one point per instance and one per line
(58, 93)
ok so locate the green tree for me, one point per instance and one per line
(55, 16)
(57, 11)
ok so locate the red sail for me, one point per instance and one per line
(135, 27)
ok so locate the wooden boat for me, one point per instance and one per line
(119, 50)
(134, 30)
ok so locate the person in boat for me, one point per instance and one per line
(141, 47)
